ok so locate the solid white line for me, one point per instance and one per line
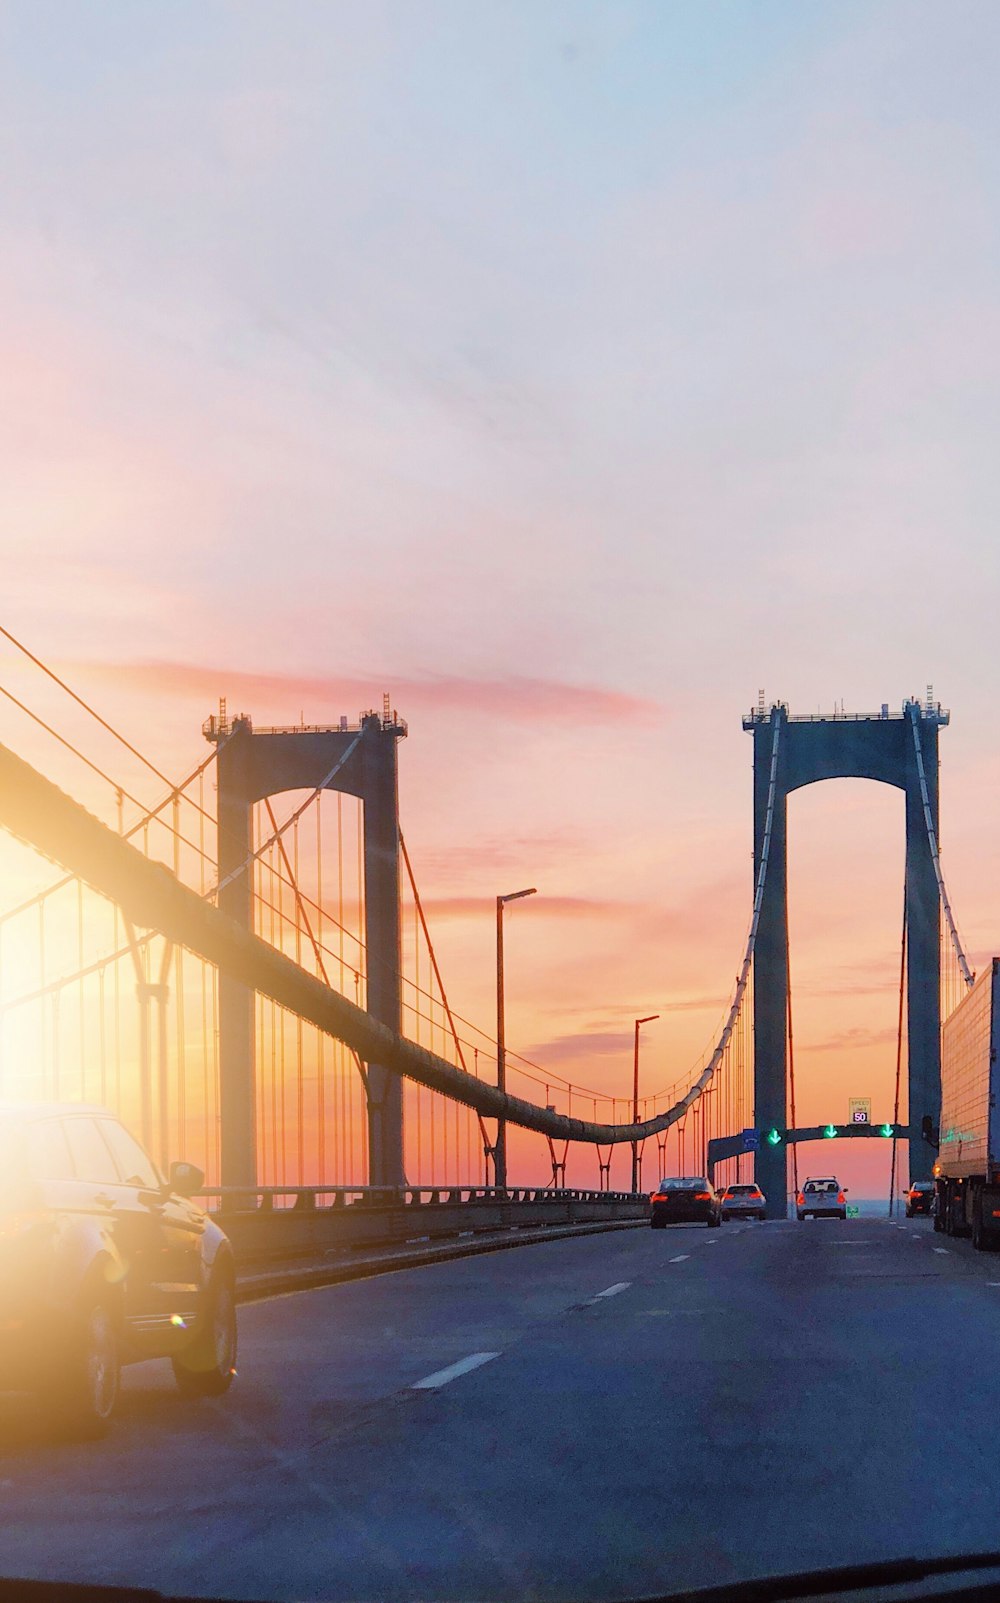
(612, 1291)
(680, 1259)
(441, 1377)
(941, 1249)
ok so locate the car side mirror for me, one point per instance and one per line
(186, 1179)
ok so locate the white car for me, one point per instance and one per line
(743, 1202)
(823, 1198)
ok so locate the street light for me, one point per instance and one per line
(500, 1150)
(635, 1097)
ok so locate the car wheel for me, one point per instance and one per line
(87, 1394)
(656, 1224)
(206, 1368)
(842, 1215)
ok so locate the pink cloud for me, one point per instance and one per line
(513, 697)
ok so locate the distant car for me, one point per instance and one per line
(682, 1201)
(920, 1197)
(824, 1199)
(104, 1263)
(742, 1202)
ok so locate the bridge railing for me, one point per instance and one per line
(286, 1225)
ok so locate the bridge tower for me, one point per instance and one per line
(252, 764)
(842, 746)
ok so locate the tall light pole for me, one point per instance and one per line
(635, 1097)
(500, 1150)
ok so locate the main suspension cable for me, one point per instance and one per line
(913, 709)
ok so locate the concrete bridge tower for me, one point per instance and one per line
(880, 747)
(252, 764)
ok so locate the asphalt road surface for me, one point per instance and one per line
(593, 1418)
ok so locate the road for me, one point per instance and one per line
(592, 1418)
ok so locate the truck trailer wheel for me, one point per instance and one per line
(984, 1236)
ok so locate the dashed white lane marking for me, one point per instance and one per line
(441, 1377)
(941, 1249)
(680, 1259)
(612, 1291)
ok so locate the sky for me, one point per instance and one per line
(570, 371)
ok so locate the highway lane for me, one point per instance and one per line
(595, 1418)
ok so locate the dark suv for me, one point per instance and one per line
(102, 1263)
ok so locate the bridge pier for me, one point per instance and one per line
(253, 764)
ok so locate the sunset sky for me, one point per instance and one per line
(572, 372)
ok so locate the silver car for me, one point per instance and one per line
(824, 1199)
(743, 1202)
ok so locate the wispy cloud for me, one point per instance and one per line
(544, 907)
(572, 1048)
(511, 697)
(849, 1040)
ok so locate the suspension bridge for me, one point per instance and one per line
(254, 986)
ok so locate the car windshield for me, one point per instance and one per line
(480, 482)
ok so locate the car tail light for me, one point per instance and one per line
(800, 1199)
(703, 1196)
(18, 1224)
(841, 1198)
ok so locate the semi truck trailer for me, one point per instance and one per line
(967, 1171)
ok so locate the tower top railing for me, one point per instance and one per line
(219, 726)
(929, 712)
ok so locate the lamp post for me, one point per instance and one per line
(500, 1150)
(635, 1097)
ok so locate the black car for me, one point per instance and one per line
(692, 1201)
(920, 1197)
(102, 1263)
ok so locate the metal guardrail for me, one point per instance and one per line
(272, 1225)
(408, 1196)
